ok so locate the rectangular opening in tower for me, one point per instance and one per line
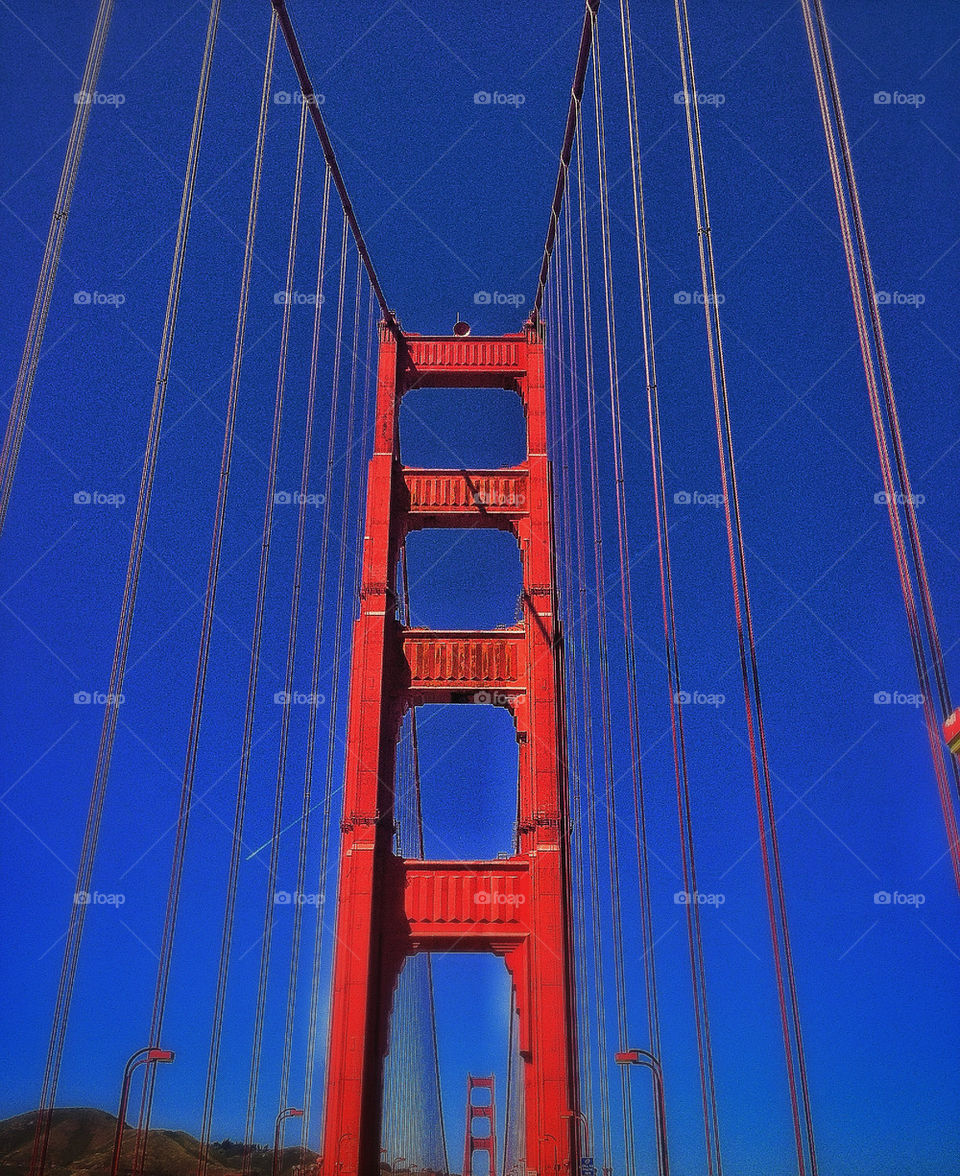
(462, 428)
(468, 761)
(463, 578)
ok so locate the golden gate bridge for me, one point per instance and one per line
(573, 927)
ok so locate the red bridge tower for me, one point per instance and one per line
(487, 1111)
(517, 907)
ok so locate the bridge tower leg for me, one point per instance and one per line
(517, 907)
(485, 1143)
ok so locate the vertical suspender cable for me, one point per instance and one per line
(862, 281)
(586, 678)
(763, 793)
(186, 798)
(226, 937)
(91, 832)
(273, 865)
(313, 698)
(326, 808)
(20, 404)
(580, 663)
(695, 941)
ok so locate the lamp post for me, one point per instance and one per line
(643, 1057)
(286, 1113)
(143, 1057)
(556, 1150)
(583, 1127)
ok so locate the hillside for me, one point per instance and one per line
(81, 1144)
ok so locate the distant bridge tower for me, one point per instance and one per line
(488, 1141)
(517, 907)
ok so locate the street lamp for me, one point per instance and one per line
(581, 1123)
(286, 1113)
(643, 1057)
(143, 1057)
(556, 1150)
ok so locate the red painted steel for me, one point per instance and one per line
(486, 1113)
(951, 732)
(518, 908)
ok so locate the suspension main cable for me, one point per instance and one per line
(566, 147)
(312, 103)
(55, 1049)
(20, 405)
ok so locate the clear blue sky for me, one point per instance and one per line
(454, 196)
